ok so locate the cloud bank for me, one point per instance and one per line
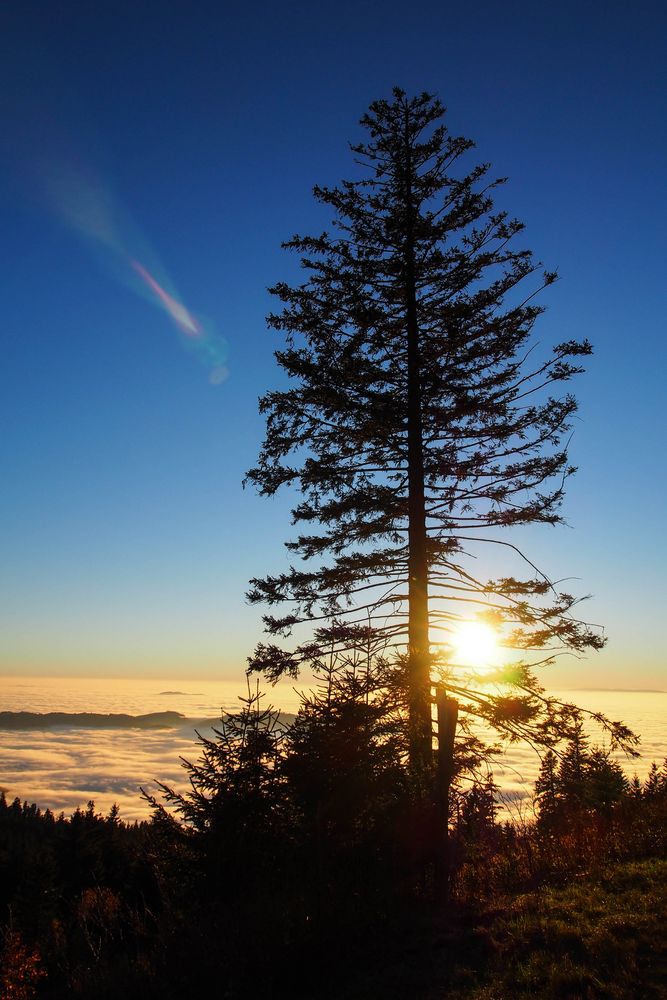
(64, 766)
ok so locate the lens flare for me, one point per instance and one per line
(180, 315)
(86, 205)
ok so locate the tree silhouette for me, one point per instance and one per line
(584, 779)
(419, 422)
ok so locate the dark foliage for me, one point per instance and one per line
(93, 907)
(80, 895)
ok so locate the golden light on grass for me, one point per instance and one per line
(475, 644)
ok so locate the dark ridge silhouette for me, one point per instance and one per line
(97, 720)
(90, 720)
(193, 693)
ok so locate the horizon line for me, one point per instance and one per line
(229, 680)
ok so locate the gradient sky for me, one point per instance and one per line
(186, 138)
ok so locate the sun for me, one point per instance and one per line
(475, 645)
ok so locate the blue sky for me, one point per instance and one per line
(126, 540)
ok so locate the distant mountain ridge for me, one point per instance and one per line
(100, 720)
(191, 693)
(90, 720)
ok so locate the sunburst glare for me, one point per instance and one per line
(475, 645)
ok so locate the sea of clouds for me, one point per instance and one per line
(65, 767)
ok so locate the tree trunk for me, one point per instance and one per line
(419, 665)
(448, 710)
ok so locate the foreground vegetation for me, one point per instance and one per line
(598, 936)
(601, 935)
(279, 879)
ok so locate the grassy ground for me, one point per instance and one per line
(595, 937)
(599, 936)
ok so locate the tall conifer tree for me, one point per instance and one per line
(417, 421)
